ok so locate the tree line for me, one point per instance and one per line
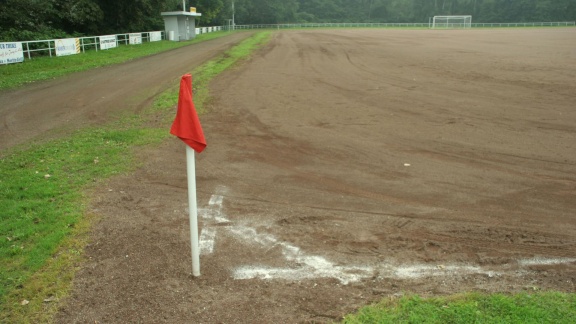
(47, 19)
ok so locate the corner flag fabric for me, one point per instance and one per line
(186, 125)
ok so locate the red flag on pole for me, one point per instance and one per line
(186, 124)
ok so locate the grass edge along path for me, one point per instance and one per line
(46, 67)
(539, 307)
(45, 226)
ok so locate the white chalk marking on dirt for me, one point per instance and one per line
(216, 200)
(309, 266)
(214, 210)
(545, 261)
(419, 271)
(312, 266)
(310, 270)
(207, 240)
(213, 214)
(250, 234)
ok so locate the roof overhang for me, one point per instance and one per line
(181, 13)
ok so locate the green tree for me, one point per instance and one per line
(47, 19)
(130, 16)
(210, 10)
(323, 10)
(265, 11)
(25, 14)
(36, 19)
(77, 15)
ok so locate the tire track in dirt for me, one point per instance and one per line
(445, 187)
(315, 52)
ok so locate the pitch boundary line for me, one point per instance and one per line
(306, 266)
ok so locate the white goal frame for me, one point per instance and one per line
(451, 22)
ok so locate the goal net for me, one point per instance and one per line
(451, 22)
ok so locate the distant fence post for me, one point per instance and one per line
(28, 50)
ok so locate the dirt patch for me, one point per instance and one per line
(346, 166)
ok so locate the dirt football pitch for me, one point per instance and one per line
(342, 167)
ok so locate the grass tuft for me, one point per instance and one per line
(545, 307)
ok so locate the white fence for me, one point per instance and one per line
(533, 24)
(331, 25)
(398, 25)
(88, 43)
(16, 51)
(205, 30)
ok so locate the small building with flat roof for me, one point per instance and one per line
(180, 25)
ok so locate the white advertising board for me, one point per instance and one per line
(11, 53)
(135, 38)
(155, 36)
(108, 41)
(67, 46)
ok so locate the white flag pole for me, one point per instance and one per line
(193, 208)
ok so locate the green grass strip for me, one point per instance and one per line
(43, 194)
(45, 67)
(203, 75)
(545, 307)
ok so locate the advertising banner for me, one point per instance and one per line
(155, 36)
(108, 41)
(135, 38)
(67, 46)
(11, 53)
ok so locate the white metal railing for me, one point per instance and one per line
(527, 24)
(324, 25)
(86, 43)
(395, 25)
(48, 46)
(205, 30)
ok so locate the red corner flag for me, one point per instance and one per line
(186, 124)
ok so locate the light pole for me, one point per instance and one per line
(233, 13)
(370, 10)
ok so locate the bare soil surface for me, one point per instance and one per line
(346, 166)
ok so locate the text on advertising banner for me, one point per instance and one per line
(67, 46)
(155, 36)
(108, 41)
(11, 53)
(135, 38)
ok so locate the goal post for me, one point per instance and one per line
(451, 22)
